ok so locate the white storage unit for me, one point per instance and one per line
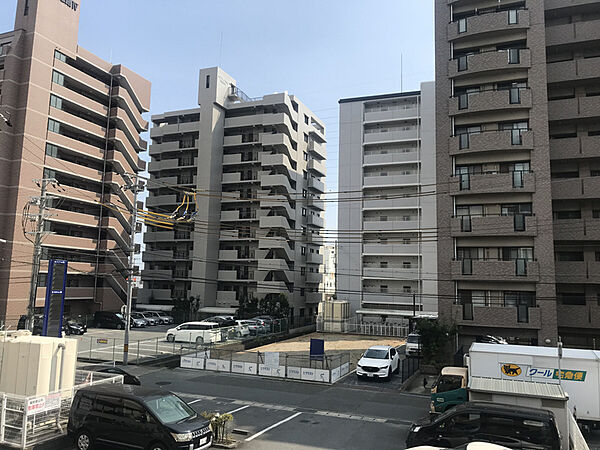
(36, 365)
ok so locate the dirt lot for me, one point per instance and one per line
(334, 343)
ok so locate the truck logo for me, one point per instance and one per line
(511, 370)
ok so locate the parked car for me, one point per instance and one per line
(138, 321)
(379, 361)
(413, 344)
(135, 417)
(157, 317)
(241, 329)
(71, 327)
(489, 339)
(128, 378)
(107, 319)
(262, 325)
(254, 328)
(38, 323)
(149, 318)
(509, 425)
(197, 332)
(273, 324)
(222, 321)
(167, 319)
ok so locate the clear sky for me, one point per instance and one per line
(319, 50)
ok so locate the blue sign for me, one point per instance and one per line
(317, 349)
(56, 283)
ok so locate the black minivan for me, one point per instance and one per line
(107, 319)
(508, 425)
(120, 416)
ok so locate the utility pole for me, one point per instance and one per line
(39, 233)
(133, 188)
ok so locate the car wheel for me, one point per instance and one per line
(199, 340)
(84, 440)
(170, 338)
(157, 446)
(238, 334)
(119, 326)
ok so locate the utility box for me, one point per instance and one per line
(334, 315)
(36, 365)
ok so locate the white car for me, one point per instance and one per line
(196, 332)
(242, 328)
(413, 344)
(379, 361)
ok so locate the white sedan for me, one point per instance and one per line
(379, 361)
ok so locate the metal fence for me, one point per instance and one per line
(408, 367)
(354, 327)
(26, 421)
(327, 369)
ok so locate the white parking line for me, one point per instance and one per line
(195, 401)
(254, 436)
(239, 409)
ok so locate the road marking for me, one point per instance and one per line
(195, 401)
(239, 409)
(254, 436)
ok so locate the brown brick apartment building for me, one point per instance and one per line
(518, 168)
(76, 119)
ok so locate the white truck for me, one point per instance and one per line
(580, 371)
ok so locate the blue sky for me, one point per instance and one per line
(319, 50)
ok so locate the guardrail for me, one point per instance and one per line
(328, 369)
(27, 421)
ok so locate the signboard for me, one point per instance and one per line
(211, 364)
(322, 375)
(198, 363)
(35, 405)
(294, 373)
(264, 370)
(545, 374)
(335, 374)
(237, 367)
(187, 362)
(56, 283)
(272, 359)
(102, 341)
(223, 366)
(250, 368)
(308, 374)
(317, 349)
(344, 369)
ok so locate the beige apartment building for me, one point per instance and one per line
(518, 140)
(257, 166)
(76, 121)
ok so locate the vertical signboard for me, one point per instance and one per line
(55, 297)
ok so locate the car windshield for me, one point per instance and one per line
(120, 316)
(414, 339)
(170, 409)
(376, 353)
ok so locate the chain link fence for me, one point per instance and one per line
(367, 328)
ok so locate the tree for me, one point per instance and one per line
(275, 305)
(185, 309)
(436, 340)
(248, 307)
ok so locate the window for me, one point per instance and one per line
(60, 56)
(305, 174)
(596, 213)
(108, 405)
(304, 193)
(53, 126)
(567, 215)
(58, 78)
(383, 288)
(406, 264)
(305, 137)
(303, 271)
(406, 289)
(303, 250)
(305, 119)
(303, 212)
(51, 150)
(86, 402)
(462, 25)
(383, 264)
(569, 256)
(207, 82)
(513, 17)
(133, 411)
(463, 63)
(301, 292)
(305, 156)
(572, 298)
(55, 102)
(514, 56)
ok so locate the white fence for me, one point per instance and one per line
(329, 369)
(367, 328)
(26, 421)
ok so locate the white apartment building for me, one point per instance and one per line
(258, 168)
(328, 285)
(387, 257)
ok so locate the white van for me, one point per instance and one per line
(413, 344)
(196, 332)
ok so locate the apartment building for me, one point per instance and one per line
(76, 120)
(387, 208)
(258, 168)
(328, 285)
(518, 85)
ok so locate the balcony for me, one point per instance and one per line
(391, 203)
(492, 183)
(277, 139)
(490, 61)
(176, 128)
(491, 141)
(228, 255)
(390, 115)
(316, 203)
(490, 101)
(267, 181)
(410, 134)
(579, 316)
(574, 70)
(314, 258)
(160, 200)
(580, 272)
(148, 274)
(576, 188)
(392, 273)
(74, 218)
(390, 225)
(316, 184)
(314, 297)
(234, 275)
(391, 180)
(155, 149)
(574, 148)
(390, 249)
(489, 23)
(317, 149)
(226, 298)
(165, 164)
(274, 222)
(392, 298)
(314, 277)
(573, 33)
(492, 226)
(313, 219)
(317, 167)
(70, 242)
(484, 270)
(158, 236)
(271, 287)
(390, 158)
(577, 229)
(236, 215)
(574, 108)
(497, 316)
